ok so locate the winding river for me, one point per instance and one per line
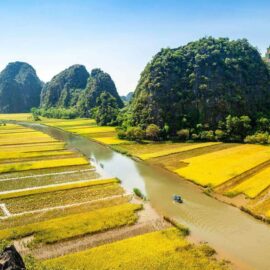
(234, 234)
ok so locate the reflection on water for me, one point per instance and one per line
(237, 235)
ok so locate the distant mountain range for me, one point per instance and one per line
(199, 83)
(128, 97)
(21, 89)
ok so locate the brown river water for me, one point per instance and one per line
(235, 235)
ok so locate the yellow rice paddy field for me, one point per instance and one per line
(219, 167)
(229, 169)
(16, 116)
(164, 250)
(88, 129)
(53, 196)
(253, 185)
(154, 150)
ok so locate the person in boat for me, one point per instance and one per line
(177, 198)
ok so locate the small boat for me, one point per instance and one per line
(177, 198)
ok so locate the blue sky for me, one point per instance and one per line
(120, 37)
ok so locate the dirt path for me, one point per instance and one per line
(148, 221)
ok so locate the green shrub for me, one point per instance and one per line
(195, 137)
(135, 134)
(207, 135)
(184, 230)
(258, 138)
(207, 251)
(220, 135)
(183, 134)
(138, 193)
(121, 134)
(152, 132)
(4, 244)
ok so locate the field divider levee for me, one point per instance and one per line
(5, 211)
(46, 174)
(164, 153)
(241, 177)
(63, 206)
(56, 187)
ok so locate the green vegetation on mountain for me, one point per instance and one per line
(199, 85)
(106, 110)
(64, 89)
(99, 82)
(20, 88)
(73, 93)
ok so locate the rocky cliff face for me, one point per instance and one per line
(20, 88)
(10, 259)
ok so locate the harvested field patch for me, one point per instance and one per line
(49, 179)
(65, 186)
(61, 197)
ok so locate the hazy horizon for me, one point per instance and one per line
(117, 36)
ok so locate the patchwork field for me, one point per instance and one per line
(51, 198)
